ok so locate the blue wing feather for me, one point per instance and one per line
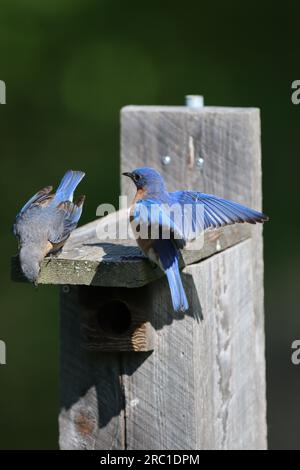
(217, 211)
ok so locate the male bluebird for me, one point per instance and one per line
(46, 221)
(216, 212)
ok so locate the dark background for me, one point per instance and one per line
(69, 66)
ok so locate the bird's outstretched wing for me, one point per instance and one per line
(155, 220)
(217, 212)
(66, 217)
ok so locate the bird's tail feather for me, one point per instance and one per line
(68, 185)
(168, 257)
(179, 300)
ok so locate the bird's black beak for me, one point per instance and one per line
(130, 175)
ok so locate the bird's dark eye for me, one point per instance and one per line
(136, 177)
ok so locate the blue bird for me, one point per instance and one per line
(45, 223)
(149, 210)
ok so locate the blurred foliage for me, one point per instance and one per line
(69, 65)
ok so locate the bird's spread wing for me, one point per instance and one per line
(152, 219)
(40, 198)
(67, 215)
(217, 212)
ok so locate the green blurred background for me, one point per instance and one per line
(69, 66)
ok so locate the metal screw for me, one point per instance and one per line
(194, 101)
(66, 289)
(166, 160)
(200, 163)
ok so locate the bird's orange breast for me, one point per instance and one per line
(140, 194)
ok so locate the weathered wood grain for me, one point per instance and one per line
(258, 281)
(228, 139)
(198, 388)
(92, 401)
(86, 260)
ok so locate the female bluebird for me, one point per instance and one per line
(46, 221)
(150, 210)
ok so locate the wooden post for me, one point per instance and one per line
(133, 375)
(224, 364)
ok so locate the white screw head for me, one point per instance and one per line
(194, 101)
(166, 160)
(200, 163)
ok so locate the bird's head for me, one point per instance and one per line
(30, 260)
(147, 179)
